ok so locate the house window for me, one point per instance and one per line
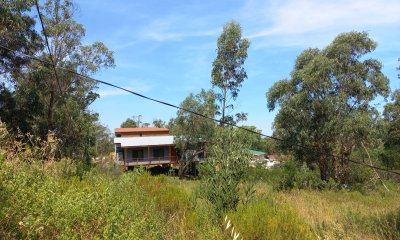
(158, 152)
(137, 153)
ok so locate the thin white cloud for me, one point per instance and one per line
(175, 28)
(302, 16)
(314, 22)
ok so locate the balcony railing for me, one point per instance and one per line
(150, 161)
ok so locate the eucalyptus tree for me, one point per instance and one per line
(228, 72)
(66, 97)
(325, 110)
(191, 131)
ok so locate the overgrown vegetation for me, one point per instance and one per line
(224, 170)
(50, 187)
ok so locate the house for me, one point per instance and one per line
(144, 147)
(259, 158)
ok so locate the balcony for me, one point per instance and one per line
(150, 161)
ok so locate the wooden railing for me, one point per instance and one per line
(150, 161)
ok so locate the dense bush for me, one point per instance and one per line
(294, 176)
(225, 169)
(37, 203)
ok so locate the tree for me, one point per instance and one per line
(104, 140)
(59, 104)
(228, 73)
(65, 36)
(159, 123)
(66, 97)
(325, 105)
(17, 32)
(129, 123)
(192, 131)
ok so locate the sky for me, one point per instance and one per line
(165, 49)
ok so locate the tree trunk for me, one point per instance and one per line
(344, 176)
(223, 107)
(324, 167)
(50, 110)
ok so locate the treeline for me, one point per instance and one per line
(34, 97)
(326, 116)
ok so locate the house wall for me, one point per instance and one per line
(144, 134)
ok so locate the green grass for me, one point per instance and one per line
(56, 201)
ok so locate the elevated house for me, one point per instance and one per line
(144, 147)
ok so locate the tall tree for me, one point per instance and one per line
(325, 106)
(228, 72)
(191, 130)
(65, 36)
(54, 104)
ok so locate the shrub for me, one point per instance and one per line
(295, 176)
(224, 170)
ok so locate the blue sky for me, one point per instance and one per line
(165, 49)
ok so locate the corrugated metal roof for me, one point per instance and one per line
(144, 141)
(136, 130)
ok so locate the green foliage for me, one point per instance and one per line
(225, 169)
(17, 32)
(267, 219)
(129, 123)
(38, 102)
(104, 140)
(39, 203)
(228, 73)
(325, 105)
(301, 177)
(191, 130)
(391, 155)
(159, 123)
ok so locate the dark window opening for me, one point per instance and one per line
(137, 153)
(158, 152)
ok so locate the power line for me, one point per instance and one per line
(183, 109)
(48, 46)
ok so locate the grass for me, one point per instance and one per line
(53, 201)
(347, 215)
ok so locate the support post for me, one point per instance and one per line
(125, 155)
(148, 154)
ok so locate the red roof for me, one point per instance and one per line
(136, 130)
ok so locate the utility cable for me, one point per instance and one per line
(183, 109)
